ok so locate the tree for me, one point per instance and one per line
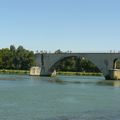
(58, 51)
(13, 58)
(76, 65)
(12, 48)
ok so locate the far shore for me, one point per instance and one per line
(4, 71)
(80, 73)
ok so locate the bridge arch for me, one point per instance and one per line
(116, 63)
(55, 64)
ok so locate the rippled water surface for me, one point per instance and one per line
(59, 98)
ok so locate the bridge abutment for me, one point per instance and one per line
(114, 74)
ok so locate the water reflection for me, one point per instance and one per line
(63, 81)
(114, 83)
(90, 115)
(13, 77)
(58, 80)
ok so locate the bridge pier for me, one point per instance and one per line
(35, 71)
(48, 74)
(51, 74)
(114, 74)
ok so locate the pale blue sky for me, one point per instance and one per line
(77, 25)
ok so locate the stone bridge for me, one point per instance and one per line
(104, 61)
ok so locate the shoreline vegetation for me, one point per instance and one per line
(80, 73)
(5, 71)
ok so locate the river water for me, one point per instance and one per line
(25, 97)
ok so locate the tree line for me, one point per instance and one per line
(75, 64)
(16, 58)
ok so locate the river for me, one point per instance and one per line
(24, 97)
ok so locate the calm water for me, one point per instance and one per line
(60, 98)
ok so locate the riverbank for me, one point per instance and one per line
(14, 71)
(58, 73)
(80, 73)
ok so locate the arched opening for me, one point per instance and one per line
(116, 63)
(75, 64)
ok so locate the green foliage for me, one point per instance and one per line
(58, 51)
(14, 71)
(75, 64)
(19, 59)
(80, 73)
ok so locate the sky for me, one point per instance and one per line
(75, 25)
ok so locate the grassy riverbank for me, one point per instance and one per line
(3, 71)
(80, 73)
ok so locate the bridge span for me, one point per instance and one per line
(104, 61)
